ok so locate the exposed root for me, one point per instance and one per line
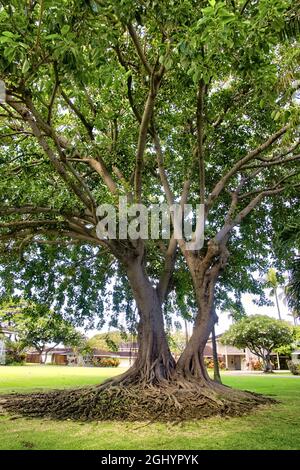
(171, 401)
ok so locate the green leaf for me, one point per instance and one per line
(26, 67)
(65, 29)
(9, 34)
(277, 116)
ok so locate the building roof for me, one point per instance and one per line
(129, 345)
(229, 350)
(104, 352)
(208, 352)
(232, 350)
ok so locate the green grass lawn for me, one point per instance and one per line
(274, 427)
(35, 377)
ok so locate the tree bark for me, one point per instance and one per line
(46, 356)
(277, 303)
(191, 362)
(204, 274)
(267, 364)
(41, 355)
(154, 363)
(217, 375)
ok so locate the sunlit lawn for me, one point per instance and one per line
(29, 377)
(274, 427)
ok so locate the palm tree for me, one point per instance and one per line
(273, 282)
(290, 240)
(293, 288)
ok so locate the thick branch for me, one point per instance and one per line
(161, 169)
(236, 167)
(147, 114)
(139, 49)
(200, 135)
(52, 99)
(59, 166)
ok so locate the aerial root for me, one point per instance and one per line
(137, 402)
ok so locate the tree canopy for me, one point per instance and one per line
(260, 334)
(38, 327)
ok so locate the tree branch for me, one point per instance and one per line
(53, 96)
(236, 167)
(273, 162)
(79, 114)
(244, 6)
(200, 134)
(143, 131)
(139, 49)
(226, 229)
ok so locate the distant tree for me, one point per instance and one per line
(14, 352)
(177, 341)
(288, 349)
(289, 243)
(110, 341)
(273, 282)
(38, 327)
(293, 288)
(261, 335)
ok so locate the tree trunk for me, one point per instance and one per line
(41, 355)
(154, 362)
(217, 375)
(186, 332)
(204, 274)
(267, 364)
(191, 362)
(46, 355)
(277, 303)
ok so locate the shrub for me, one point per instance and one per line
(14, 353)
(294, 368)
(106, 361)
(256, 365)
(209, 363)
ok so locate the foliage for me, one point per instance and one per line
(55, 54)
(106, 362)
(255, 365)
(293, 287)
(288, 349)
(288, 243)
(272, 278)
(209, 363)
(260, 334)
(37, 326)
(14, 352)
(294, 368)
(109, 341)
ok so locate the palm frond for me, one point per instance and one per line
(293, 288)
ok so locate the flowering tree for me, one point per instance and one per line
(261, 335)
